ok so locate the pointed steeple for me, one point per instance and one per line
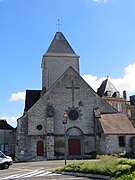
(60, 45)
(57, 59)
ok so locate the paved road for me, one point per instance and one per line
(36, 170)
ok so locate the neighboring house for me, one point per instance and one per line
(130, 109)
(112, 96)
(6, 131)
(64, 116)
(116, 133)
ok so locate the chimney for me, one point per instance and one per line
(124, 94)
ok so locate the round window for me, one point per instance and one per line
(39, 127)
(73, 114)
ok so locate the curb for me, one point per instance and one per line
(94, 176)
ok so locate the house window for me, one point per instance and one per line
(108, 93)
(116, 94)
(119, 107)
(121, 141)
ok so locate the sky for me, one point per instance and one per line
(101, 32)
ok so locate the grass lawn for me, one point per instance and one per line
(121, 169)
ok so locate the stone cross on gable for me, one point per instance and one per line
(72, 88)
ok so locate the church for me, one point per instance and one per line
(67, 117)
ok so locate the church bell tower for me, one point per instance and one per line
(58, 58)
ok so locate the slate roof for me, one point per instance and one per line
(60, 45)
(117, 123)
(101, 89)
(5, 125)
(32, 96)
(106, 86)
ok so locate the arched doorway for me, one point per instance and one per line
(75, 143)
(40, 148)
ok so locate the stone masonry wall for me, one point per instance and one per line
(110, 144)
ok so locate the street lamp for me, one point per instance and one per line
(65, 117)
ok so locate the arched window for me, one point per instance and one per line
(40, 148)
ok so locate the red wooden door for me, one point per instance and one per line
(40, 148)
(74, 146)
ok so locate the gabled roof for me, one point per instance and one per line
(32, 96)
(117, 123)
(106, 86)
(69, 75)
(70, 71)
(5, 125)
(60, 45)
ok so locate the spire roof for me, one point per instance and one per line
(60, 45)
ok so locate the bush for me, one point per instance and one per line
(127, 161)
(122, 155)
(122, 169)
(75, 167)
(127, 176)
(107, 165)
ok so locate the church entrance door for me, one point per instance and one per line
(40, 148)
(74, 146)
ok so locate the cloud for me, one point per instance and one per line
(124, 83)
(93, 81)
(100, 1)
(17, 96)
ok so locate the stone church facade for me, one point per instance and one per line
(63, 117)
